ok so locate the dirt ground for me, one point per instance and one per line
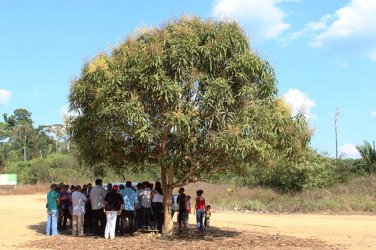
(22, 222)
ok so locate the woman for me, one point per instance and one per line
(157, 205)
(200, 210)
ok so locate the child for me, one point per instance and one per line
(188, 206)
(207, 216)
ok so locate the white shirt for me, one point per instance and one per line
(97, 195)
(78, 203)
(157, 197)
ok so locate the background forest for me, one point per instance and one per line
(44, 154)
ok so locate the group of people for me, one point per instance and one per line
(202, 210)
(118, 210)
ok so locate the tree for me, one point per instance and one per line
(368, 153)
(190, 97)
(18, 132)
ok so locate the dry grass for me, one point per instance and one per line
(355, 197)
(24, 189)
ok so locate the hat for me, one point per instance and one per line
(115, 188)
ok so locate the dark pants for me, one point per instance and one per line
(207, 222)
(88, 220)
(145, 216)
(157, 208)
(65, 215)
(127, 222)
(99, 221)
(139, 218)
(181, 216)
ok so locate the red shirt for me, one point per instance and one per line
(200, 203)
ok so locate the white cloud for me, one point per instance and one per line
(300, 103)
(5, 96)
(348, 151)
(351, 29)
(65, 113)
(310, 28)
(373, 114)
(263, 19)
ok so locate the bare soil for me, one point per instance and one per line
(22, 222)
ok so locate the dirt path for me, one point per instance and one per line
(22, 219)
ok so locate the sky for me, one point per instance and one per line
(323, 53)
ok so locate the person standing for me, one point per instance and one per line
(88, 217)
(97, 195)
(52, 205)
(188, 206)
(145, 200)
(130, 203)
(78, 211)
(200, 210)
(157, 205)
(113, 208)
(140, 188)
(64, 207)
(182, 207)
(207, 216)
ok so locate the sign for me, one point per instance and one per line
(8, 179)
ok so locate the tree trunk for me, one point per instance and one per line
(168, 226)
(24, 149)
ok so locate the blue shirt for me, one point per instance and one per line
(129, 197)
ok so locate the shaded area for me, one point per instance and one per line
(214, 238)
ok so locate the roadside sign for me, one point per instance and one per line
(8, 179)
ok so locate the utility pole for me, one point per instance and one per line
(336, 116)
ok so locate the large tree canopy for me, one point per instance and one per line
(190, 97)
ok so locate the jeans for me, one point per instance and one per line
(199, 219)
(51, 227)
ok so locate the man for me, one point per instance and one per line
(53, 203)
(64, 206)
(97, 195)
(130, 202)
(88, 217)
(78, 203)
(140, 188)
(113, 208)
(145, 200)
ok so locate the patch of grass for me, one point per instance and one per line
(357, 196)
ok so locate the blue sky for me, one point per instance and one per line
(323, 52)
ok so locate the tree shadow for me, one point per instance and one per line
(190, 233)
(39, 228)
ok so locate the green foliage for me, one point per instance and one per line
(190, 97)
(309, 171)
(20, 140)
(368, 153)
